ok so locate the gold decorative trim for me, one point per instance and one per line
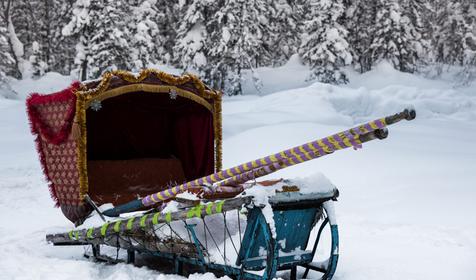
(81, 146)
(217, 123)
(132, 78)
(151, 89)
(100, 92)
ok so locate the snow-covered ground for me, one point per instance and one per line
(406, 208)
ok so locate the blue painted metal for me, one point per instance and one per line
(293, 228)
(250, 235)
(328, 273)
(316, 243)
(257, 263)
(198, 246)
(258, 235)
(334, 254)
(124, 208)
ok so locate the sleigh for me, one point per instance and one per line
(141, 141)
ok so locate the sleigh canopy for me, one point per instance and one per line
(124, 136)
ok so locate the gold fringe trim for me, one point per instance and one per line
(131, 78)
(81, 146)
(217, 123)
(151, 89)
(100, 92)
(75, 131)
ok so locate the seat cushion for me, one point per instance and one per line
(120, 181)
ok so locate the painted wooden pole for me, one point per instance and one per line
(353, 137)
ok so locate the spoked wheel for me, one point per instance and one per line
(327, 233)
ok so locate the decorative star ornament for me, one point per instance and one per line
(95, 105)
(173, 94)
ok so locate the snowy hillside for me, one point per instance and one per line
(406, 208)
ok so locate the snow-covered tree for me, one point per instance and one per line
(38, 65)
(360, 22)
(192, 43)
(146, 42)
(6, 64)
(56, 51)
(420, 13)
(16, 49)
(34, 22)
(169, 16)
(101, 26)
(223, 40)
(455, 38)
(396, 39)
(6, 60)
(287, 27)
(237, 35)
(325, 48)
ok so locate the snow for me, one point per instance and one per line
(261, 197)
(330, 210)
(50, 82)
(172, 206)
(406, 204)
(188, 196)
(17, 45)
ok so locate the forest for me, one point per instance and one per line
(221, 39)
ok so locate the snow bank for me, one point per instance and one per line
(50, 82)
(366, 98)
(407, 200)
(293, 75)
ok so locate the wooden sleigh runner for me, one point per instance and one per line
(141, 141)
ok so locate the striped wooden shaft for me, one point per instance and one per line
(319, 147)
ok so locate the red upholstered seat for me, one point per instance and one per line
(120, 181)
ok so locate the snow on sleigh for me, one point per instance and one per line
(149, 144)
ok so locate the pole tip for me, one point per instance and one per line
(410, 114)
(381, 133)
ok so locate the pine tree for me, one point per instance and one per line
(360, 21)
(38, 66)
(169, 16)
(16, 49)
(146, 42)
(238, 43)
(56, 51)
(6, 60)
(325, 48)
(37, 25)
(61, 48)
(287, 26)
(103, 42)
(192, 43)
(396, 38)
(6, 63)
(468, 73)
(420, 14)
(455, 38)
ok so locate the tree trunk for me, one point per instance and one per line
(16, 47)
(84, 69)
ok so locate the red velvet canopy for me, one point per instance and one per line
(136, 126)
(125, 136)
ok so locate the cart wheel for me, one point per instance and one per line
(271, 252)
(327, 267)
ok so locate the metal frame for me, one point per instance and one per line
(257, 220)
(257, 234)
